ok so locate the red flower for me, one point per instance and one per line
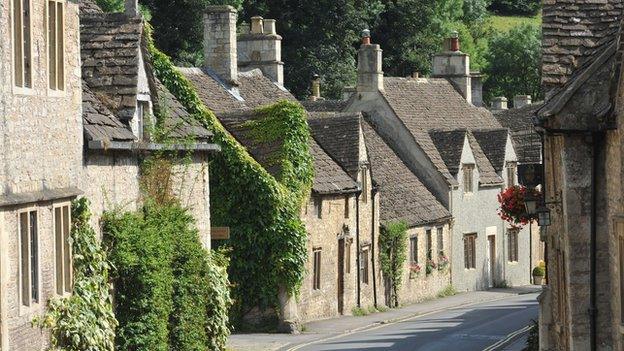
(512, 207)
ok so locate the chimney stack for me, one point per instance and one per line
(316, 88)
(499, 103)
(476, 84)
(454, 65)
(370, 73)
(521, 101)
(262, 48)
(131, 8)
(220, 42)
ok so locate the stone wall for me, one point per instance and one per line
(40, 149)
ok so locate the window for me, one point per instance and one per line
(414, 250)
(29, 257)
(470, 250)
(144, 121)
(316, 276)
(513, 245)
(364, 266)
(440, 234)
(511, 174)
(22, 51)
(429, 245)
(364, 185)
(56, 44)
(348, 256)
(468, 171)
(346, 209)
(63, 253)
(318, 205)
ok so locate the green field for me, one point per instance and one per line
(505, 23)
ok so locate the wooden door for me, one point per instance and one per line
(341, 273)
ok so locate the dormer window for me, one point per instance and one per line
(143, 119)
(511, 174)
(468, 174)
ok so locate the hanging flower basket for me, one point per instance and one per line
(431, 266)
(443, 262)
(414, 270)
(512, 208)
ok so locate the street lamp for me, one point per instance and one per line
(543, 216)
(530, 203)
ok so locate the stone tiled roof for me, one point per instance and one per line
(329, 177)
(178, 122)
(404, 197)
(572, 32)
(254, 90)
(450, 144)
(99, 122)
(433, 103)
(526, 140)
(339, 135)
(493, 142)
(110, 45)
(487, 173)
(325, 105)
(89, 7)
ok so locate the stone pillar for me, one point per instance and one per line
(499, 103)
(370, 73)
(521, 101)
(262, 48)
(220, 42)
(454, 65)
(131, 8)
(289, 314)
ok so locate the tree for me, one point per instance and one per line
(392, 256)
(516, 7)
(514, 63)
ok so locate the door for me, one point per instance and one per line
(341, 273)
(491, 259)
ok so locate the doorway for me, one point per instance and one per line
(491, 258)
(341, 273)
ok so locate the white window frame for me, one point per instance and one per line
(21, 90)
(55, 92)
(71, 259)
(513, 180)
(31, 305)
(465, 168)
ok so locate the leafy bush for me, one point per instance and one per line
(449, 290)
(533, 338)
(516, 7)
(539, 271)
(392, 255)
(84, 321)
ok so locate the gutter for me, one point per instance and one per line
(136, 146)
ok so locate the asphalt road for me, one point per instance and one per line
(472, 328)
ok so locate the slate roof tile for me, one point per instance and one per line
(339, 135)
(527, 142)
(99, 123)
(493, 142)
(325, 105)
(450, 144)
(487, 173)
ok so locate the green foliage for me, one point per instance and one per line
(268, 238)
(84, 321)
(359, 312)
(516, 7)
(393, 254)
(449, 290)
(514, 64)
(533, 338)
(506, 23)
(539, 271)
(111, 5)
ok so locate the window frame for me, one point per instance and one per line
(470, 244)
(440, 239)
(25, 307)
(429, 243)
(468, 169)
(413, 249)
(65, 291)
(56, 92)
(364, 272)
(318, 206)
(317, 262)
(512, 245)
(364, 175)
(347, 208)
(23, 89)
(512, 173)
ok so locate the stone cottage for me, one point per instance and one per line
(243, 71)
(122, 102)
(40, 156)
(581, 121)
(460, 153)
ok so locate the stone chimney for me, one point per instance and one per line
(521, 101)
(499, 103)
(131, 8)
(220, 42)
(347, 92)
(454, 65)
(370, 74)
(476, 83)
(316, 88)
(262, 48)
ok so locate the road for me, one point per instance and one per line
(476, 327)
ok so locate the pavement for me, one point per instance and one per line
(345, 328)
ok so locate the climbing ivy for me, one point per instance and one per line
(84, 321)
(392, 255)
(268, 238)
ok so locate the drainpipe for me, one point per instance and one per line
(596, 152)
(357, 245)
(374, 193)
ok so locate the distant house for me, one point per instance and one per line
(122, 103)
(459, 152)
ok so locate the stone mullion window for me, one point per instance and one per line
(414, 250)
(29, 257)
(511, 174)
(468, 173)
(470, 261)
(316, 273)
(440, 233)
(22, 48)
(64, 268)
(429, 244)
(56, 44)
(364, 265)
(513, 245)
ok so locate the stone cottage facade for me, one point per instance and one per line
(581, 119)
(464, 174)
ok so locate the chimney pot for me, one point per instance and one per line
(269, 27)
(316, 88)
(366, 37)
(499, 103)
(415, 75)
(257, 26)
(521, 101)
(454, 41)
(131, 8)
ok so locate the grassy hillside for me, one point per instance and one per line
(505, 23)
